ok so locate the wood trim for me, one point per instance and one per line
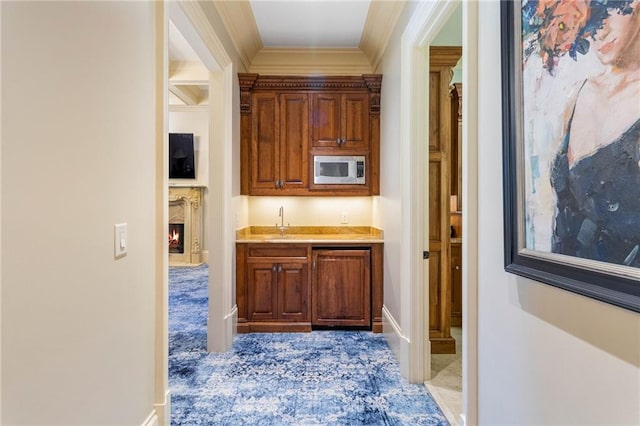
(241, 283)
(255, 82)
(377, 286)
(444, 56)
(274, 327)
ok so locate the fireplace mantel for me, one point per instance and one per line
(185, 207)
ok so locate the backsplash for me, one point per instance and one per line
(311, 211)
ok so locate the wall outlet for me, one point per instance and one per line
(344, 217)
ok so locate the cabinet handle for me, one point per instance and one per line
(273, 268)
(279, 268)
(338, 141)
(342, 142)
(457, 267)
(313, 265)
(279, 184)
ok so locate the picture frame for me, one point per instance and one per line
(527, 250)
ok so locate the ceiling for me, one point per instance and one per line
(288, 37)
(345, 37)
(309, 24)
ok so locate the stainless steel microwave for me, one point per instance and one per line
(339, 169)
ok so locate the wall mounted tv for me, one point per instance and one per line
(181, 156)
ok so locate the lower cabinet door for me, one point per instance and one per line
(293, 291)
(262, 290)
(341, 287)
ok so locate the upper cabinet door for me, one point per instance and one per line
(326, 122)
(294, 140)
(355, 121)
(340, 121)
(265, 142)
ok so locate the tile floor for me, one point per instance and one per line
(446, 380)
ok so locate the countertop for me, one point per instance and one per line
(310, 234)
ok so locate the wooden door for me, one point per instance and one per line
(341, 288)
(442, 61)
(262, 290)
(325, 119)
(355, 121)
(294, 140)
(265, 149)
(293, 291)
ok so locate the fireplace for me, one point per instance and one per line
(185, 225)
(176, 238)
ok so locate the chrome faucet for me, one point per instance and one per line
(281, 227)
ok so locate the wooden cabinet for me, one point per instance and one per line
(279, 143)
(341, 287)
(456, 284)
(340, 121)
(286, 120)
(273, 286)
(277, 290)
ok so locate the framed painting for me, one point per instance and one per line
(571, 145)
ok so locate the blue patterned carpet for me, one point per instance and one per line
(318, 378)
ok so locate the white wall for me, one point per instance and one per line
(310, 211)
(546, 356)
(389, 208)
(78, 137)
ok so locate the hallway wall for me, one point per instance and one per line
(546, 356)
(78, 137)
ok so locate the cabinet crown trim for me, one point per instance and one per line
(369, 82)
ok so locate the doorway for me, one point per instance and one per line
(208, 95)
(425, 25)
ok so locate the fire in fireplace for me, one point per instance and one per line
(176, 238)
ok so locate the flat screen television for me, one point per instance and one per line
(181, 156)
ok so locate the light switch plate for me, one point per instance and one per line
(120, 240)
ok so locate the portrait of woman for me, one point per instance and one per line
(581, 58)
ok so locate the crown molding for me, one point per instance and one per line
(313, 61)
(237, 17)
(381, 20)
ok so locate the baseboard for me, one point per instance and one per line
(161, 413)
(151, 420)
(231, 320)
(398, 342)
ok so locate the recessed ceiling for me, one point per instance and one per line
(310, 23)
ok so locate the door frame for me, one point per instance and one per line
(426, 22)
(191, 20)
